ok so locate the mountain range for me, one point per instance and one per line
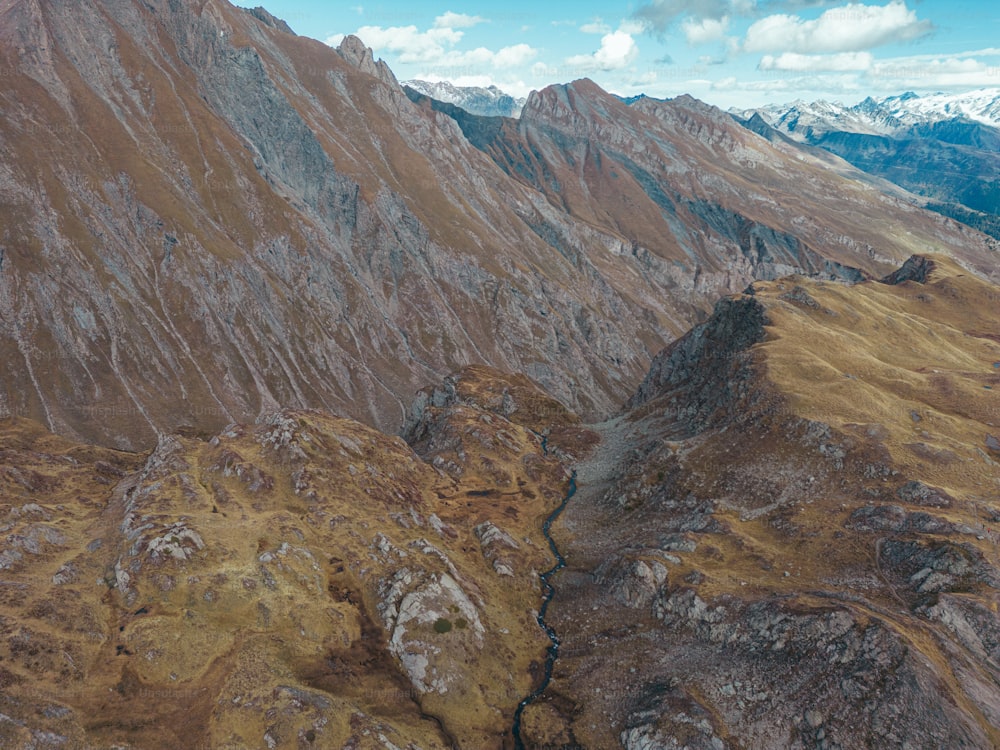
(330, 243)
(945, 147)
(488, 101)
(308, 375)
(891, 116)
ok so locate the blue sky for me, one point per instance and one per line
(740, 53)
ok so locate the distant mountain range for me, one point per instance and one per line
(488, 101)
(894, 116)
(945, 147)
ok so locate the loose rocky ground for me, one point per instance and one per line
(787, 540)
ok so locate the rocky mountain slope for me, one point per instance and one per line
(206, 218)
(943, 147)
(681, 181)
(236, 263)
(789, 537)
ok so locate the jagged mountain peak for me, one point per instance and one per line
(564, 94)
(687, 106)
(892, 115)
(262, 15)
(633, 99)
(687, 100)
(362, 57)
(579, 105)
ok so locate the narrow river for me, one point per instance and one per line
(547, 592)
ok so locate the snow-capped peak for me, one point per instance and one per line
(891, 116)
(982, 106)
(479, 100)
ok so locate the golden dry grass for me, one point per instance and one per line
(273, 625)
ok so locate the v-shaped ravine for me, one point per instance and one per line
(548, 591)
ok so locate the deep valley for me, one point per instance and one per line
(334, 415)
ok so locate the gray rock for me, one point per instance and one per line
(814, 718)
(416, 634)
(918, 493)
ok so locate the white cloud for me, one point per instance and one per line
(793, 61)
(410, 44)
(458, 60)
(435, 47)
(724, 84)
(511, 57)
(544, 70)
(618, 50)
(852, 28)
(925, 73)
(645, 79)
(660, 14)
(633, 27)
(705, 30)
(450, 20)
(597, 26)
(987, 52)
(813, 86)
(822, 80)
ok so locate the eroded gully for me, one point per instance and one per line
(547, 593)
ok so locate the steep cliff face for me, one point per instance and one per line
(701, 376)
(788, 538)
(206, 218)
(229, 218)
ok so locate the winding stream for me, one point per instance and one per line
(547, 593)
